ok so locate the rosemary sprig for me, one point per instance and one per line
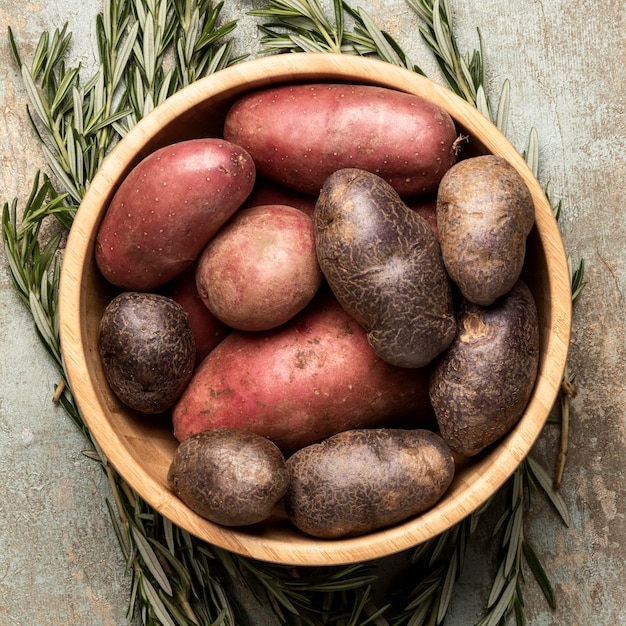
(147, 51)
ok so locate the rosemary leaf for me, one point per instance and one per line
(515, 539)
(539, 573)
(502, 114)
(151, 560)
(532, 151)
(448, 587)
(544, 480)
(156, 604)
(502, 607)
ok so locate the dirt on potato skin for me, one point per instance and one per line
(229, 476)
(480, 386)
(384, 265)
(148, 350)
(363, 479)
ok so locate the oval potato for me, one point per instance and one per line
(312, 377)
(383, 262)
(229, 476)
(147, 348)
(167, 209)
(407, 140)
(481, 384)
(361, 480)
(260, 269)
(485, 212)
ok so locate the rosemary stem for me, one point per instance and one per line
(568, 391)
(185, 605)
(58, 392)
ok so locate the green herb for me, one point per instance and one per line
(148, 50)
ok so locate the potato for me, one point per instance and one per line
(147, 349)
(268, 192)
(485, 212)
(167, 209)
(407, 140)
(208, 331)
(261, 268)
(310, 378)
(361, 480)
(228, 476)
(384, 265)
(481, 384)
(426, 206)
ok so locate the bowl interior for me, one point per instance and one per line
(141, 447)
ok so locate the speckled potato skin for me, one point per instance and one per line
(384, 265)
(407, 140)
(229, 476)
(310, 378)
(147, 349)
(361, 480)
(260, 269)
(167, 209)
(481, 384)
(485, 212)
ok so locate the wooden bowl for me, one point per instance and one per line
(141, 448)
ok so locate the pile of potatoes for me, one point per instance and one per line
(326, 301)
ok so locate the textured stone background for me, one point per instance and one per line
(59, 560)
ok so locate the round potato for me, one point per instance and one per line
(361, 480)
(147, 349)
(481, 384)
(485, 212)
(383, 262)
(261, 268)
(228, 476)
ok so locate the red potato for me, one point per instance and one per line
(208, 331)
(298, 384)
(268, 192)
(167, 209)
(426, 206)
(261, 268)
(298, 135)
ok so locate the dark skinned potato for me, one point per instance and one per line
(229, 476)
(360, 480)
(383, 263)
(148, 350)
(480, 386)
(485, 212)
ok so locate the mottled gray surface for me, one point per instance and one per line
(59, 561)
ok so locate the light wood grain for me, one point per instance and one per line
(140, 449)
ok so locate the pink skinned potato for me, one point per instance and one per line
(268, 192)
(167, 209)
(208, 331)
(261, 268)
(298, 135)
(298, 384)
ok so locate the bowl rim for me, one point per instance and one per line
(493, 471)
